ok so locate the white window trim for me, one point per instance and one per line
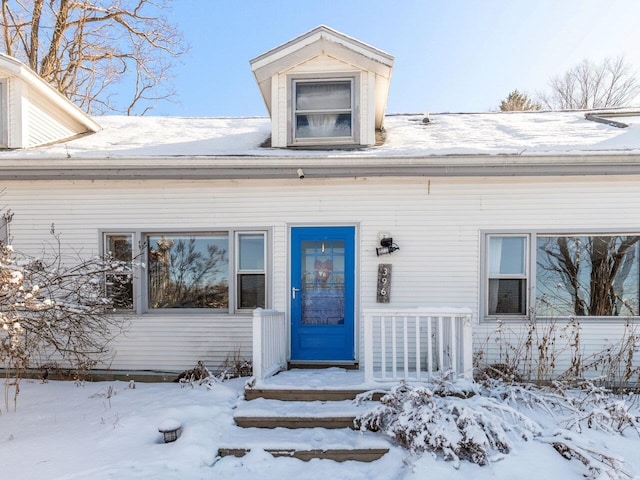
(530, 262)
(238, 271)
(487, 275)
(356, 121)
(140, 275)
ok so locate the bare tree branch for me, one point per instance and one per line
(103, 55)
(611, 83)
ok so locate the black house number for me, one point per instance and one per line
(384, 283)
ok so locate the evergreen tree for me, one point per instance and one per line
(518, 102)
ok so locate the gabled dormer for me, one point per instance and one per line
(324, 88)
(33, 113)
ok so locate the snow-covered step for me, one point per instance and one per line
(337, 455)
(265, 413)
(305, 414)
(339, 445)
(302, 394)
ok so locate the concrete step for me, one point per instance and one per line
(337, 454)
(305, 395)
(306, 414)
(267, 413)
(338, 444)
(295, 422)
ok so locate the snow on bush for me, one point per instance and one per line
(478, 429)
(480, 423)
(55, 314)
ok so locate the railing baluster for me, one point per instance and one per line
(394, 349)
(452, 341)
(368, 346)
(405, 339)
(418, 331)
(429, 347)
(383, 340)
(440, 346)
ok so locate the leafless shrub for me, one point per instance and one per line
(200, 375)
(599, 464)
(55, 312)
(544, 350)
(235, 366)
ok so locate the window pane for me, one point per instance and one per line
(507, 255)
(507, 296)
(251, 252)
(323, 95)
(120, 290)
(588, 275)
(323, 125)
(120, 247)
(119, 285)
(251, 291)
(188, 271)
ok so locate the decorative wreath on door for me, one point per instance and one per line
(323, 269)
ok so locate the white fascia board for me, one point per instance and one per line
(316, 35)
(314, 167)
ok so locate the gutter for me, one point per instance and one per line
(251, 167)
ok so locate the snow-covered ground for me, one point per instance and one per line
(109, 430)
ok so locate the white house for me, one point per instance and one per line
(382, 242)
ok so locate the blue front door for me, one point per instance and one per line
(322, 293)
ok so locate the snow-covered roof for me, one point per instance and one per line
(447, 140)
(521, 133)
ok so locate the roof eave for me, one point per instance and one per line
(236, 168)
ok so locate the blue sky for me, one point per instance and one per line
(450, 55)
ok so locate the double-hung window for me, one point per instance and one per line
(222, 271)
(573, 275)
(507, 275)
(250, 270)
(323, 110)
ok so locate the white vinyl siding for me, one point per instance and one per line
(44, 126)
(438, 224)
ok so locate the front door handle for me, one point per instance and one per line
(294, 290)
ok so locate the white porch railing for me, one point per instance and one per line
(269, 342)
(415, 343)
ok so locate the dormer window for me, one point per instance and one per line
(324, 88)
(323, 111)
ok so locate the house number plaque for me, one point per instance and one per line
(384, 283)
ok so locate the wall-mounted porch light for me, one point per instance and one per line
(386, 247)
